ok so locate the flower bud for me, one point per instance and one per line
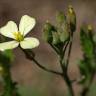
(56, 39)
(64, 32)
(1, 70)
(63, 28)
(64, 36)
(47, 32)
(71, 16)
(90, 28)
(60, 17)
(90, 31)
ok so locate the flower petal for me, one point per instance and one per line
(29, 43)
(26, 24)
(8, 29)
(8, 45)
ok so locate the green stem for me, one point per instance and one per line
(9, 86)
(56, 49)
(65, 48)
(65, 76)
(86, 88)
(69, 51)
(69, 84)
(64, 65)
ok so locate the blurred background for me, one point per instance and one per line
(25, 72)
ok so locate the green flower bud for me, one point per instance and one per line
(56, 39)
(62, 27)
(64, 36)
(71, 16)
(47, 32)
(1, 70)
(60, 17)
(63, 31)
(88, 29)
(91, 33)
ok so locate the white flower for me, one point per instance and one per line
(10, 30)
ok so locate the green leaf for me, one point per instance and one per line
(87, 64)
(85, 67)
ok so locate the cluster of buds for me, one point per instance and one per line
(59, 34)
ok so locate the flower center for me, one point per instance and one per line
(18, 36)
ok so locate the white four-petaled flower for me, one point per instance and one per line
(18, 35)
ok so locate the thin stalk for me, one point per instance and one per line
(66, 78)
(55, 49)
(64, 74)
(44, 68)
(64, 65)
(69, 84)
(69, 51)
(65, 48)
(29, 56)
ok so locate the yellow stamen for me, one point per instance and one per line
(18, 36)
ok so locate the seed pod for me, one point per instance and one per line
(47, 32)
(71, 16)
